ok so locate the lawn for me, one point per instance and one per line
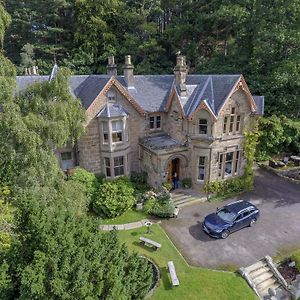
(195, 283)
(128, 217)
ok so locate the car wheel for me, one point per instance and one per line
(225, 234)
(252, 222)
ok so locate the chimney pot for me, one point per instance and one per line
(111, 66)
(180, 72)
(128, 71)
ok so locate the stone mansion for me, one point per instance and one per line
(160, 124)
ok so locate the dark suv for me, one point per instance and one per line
(230, 218)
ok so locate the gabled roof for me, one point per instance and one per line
(152, 92)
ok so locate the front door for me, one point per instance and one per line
(173, 167)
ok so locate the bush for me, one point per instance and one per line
(159, 204)
(186, 183)
(87, 179)
(139, 178)
(167, 185)
(149, 205)
(163, 209)
(139, 182)
(113, 198)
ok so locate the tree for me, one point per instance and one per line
(47, 25)
(60, 255)
(113, 198)
(43, 117)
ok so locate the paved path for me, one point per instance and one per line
(278, 226)
(124, 226)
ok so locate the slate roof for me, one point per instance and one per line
(160, 142)
(112, 110)
(151, 92)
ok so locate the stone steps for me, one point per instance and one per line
(181, 199)
(264, 275)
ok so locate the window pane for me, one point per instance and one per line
(151, 122)
(105, 137)
(236, 165)
(66, 156)
(119, 165)
(117, 126)
(203, 126)
(105, 127)
(107, 162)
(233, 110)
(201, 169)
(228, 164)
(225, 124)
(238, 120)
(231, 123)
(117, 137)
(158, 122)
(220, 164)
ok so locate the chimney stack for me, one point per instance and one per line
(111, 66)
(128, 71)
(180, 72)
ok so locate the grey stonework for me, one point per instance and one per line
(189, 124)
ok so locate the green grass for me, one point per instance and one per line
(195, 283)
(128, 217)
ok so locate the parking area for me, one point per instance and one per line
(277, 228)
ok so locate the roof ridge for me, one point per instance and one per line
(201, 94)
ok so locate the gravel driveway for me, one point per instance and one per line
(278, 226)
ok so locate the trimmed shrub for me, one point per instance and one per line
(159, 204)
(87, 179)
(113, 198)
(186, 183)
(163, 209)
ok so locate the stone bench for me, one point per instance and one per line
(149, 243)
(175, 281)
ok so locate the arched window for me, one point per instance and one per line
(202, 126)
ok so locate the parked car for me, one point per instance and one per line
(230, 218)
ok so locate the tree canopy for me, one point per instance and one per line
(257, 38)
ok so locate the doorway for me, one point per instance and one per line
(173, 167)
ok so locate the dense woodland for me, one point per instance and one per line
(260, 39)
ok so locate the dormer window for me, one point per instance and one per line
(111, 96)
(155, 122)
(202, 126)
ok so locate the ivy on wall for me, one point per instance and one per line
(237, 185)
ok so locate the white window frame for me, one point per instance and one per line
(119, 166)
(155, 120)
(117, 131)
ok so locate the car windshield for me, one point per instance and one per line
(226, 215)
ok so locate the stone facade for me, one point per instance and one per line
(196, 130)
